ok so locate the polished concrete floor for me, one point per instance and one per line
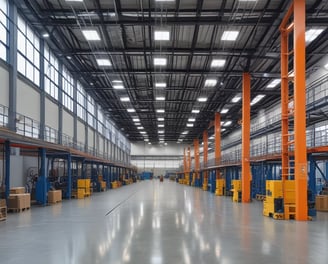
(157, 223)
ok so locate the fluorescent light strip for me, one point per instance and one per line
(103, 62)
(160, 61)
(274, 83)
(312, 34)
(136, 120)
(125, 99)
(162, 35)
(91, 34)
(191, 119)
(160, 98)
(160, 85)
(160, 111)
(160, 119)
(131, 110)
(257, 99)
(236, 99)
(202, 99)
(195, 111)
(230, 35)
(118, 87)
(216, 63)
(210, 82)
(224, 111)
(190, 125)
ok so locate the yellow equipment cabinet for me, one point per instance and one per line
(220, 187)
(236, 190)
(275, 204)
(84, 184)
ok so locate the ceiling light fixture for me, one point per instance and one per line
(230, 35)
(131, 110)
(227, 123)
(142, 132)
(160, 131)
(103, 62)
(118, 87)
(160, 111)
(45, 35)
(140, 127)
(195, 111)
(160, 125)
(160, 98)
(117, 81)
(136, 120)
(91, 34)
(125, 99)
(236, 99)
(160, 119)
(273, 83)
(257, 99)
(326, 66)
(210, 82)
(160, 85)
(216, 63)
(185, 132)
(160, 61)
(202, 99)
(312, 34)
(224, 111)
(190, 125)
(162, 35)
(191, 119)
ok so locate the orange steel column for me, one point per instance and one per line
(217, 135)
(197, 161)
(245, 155)
(184, 160)
(300, 111)
(189, 165)
(284, 106)
(205, 152)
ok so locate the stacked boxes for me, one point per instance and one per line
(54, 196)
(18, 202)
(3, 210)
(321, 203)
(17, 190)
(116, 184)
(84, 184)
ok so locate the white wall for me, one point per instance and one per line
(4, 77)
(68, 124)
(80, 132)
(172, 149)
(90, 137)
(28, 100)
(51, 114)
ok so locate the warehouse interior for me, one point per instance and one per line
(163, 131)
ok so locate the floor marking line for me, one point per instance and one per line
(119, 204)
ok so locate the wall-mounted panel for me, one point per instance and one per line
(28, 100)
(90, 137)
(4, 77)
(68, 124)
(80, 132)
(51, 114)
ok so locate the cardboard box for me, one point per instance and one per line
(80, 193)
(321, 202)
(19, 201)
(3, 203)
(54, 196)
(17, 190)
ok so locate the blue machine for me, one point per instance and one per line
(146, 175)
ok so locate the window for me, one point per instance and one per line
(68, 88)
(3, 29)
(51, 72)
(91, 110)
(81, 112)
(100, 121)
(28, 57)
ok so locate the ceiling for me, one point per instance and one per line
(196, 28)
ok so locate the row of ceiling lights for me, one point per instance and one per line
(161, 35)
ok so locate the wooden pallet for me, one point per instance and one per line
(260, 197)
(18, 210)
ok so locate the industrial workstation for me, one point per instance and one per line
(163, 131)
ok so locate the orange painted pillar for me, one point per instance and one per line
(197, 160)
(184, 161)
(189, 165)
(205, 152)
(300, 111)
(245, 155)
(217, 135)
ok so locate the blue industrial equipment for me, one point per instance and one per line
(212, 181)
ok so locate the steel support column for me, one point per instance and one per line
(197, 161)
(69, 175)
(7, 168)
(205, 152)
(42, 180)
(42, 93)
(217, 135)
(246, 120)
(12, 66)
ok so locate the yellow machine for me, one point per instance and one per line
(236, 190)
(220, 187)
(194, 175)
(84, 184)
(275, 204)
